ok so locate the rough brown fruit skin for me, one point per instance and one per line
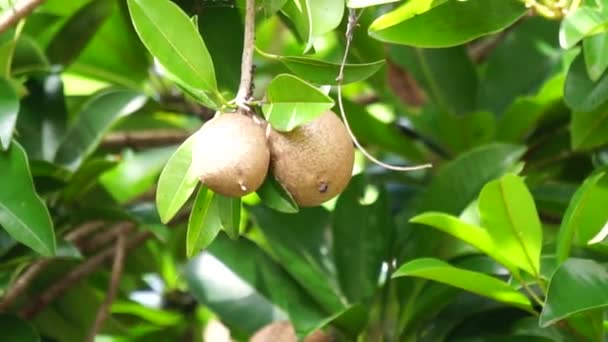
(283, 332)
(314, 162)
(230, 155)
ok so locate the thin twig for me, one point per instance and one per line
(107, 236)
(143, 139)
(117, 267)
(19, 11)
(245, 87)
(83, 231)
(352, 23)
(78, 273)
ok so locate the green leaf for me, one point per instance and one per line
(456, 94)
(8, 40)
(275, 196)
(479, 283)
(229, 209)
(509, 214)
(85, 178)
(136, 173)
(362, 236)
(176, 182)
(16, 329)
(476, 236)
(204, 222)
(589, 129)
(22, 212)
(314, 18)
(582, 94)
(325, 73)
(578, 285)
(272, 6)
(171, 37)
(366, 3)
(580, 23)
(77, 31)
(585, 216)
(595, 50)
(293, 102)
(9, 108)
(448, 23)
(95, 119)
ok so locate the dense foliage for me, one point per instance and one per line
(107, 232)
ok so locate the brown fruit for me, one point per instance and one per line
(314, 162)
(283, 332)
(230, 155)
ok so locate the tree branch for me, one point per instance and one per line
(117, 267)
(19, 11)
(143, 139)
(245, 87)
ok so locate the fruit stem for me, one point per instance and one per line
(245, 87)
(352, 23)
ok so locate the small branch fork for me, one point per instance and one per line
(352, 24)
(244, 94)
(18, 12)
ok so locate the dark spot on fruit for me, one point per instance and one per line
(323, 187)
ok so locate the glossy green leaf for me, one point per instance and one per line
(171, 37)
(9, 108)
(22, 213)
(204, 222)
(16, 329)
(580, 23)
(8, 40)
(456, 94)
(509, 214)
(460, 22)
(314, 18)
(156, 316)
(275, 196)
(324, 73)
(272, 6)
(298, 241)
(582, 94)
(292, 102)
(366, 3)
(577, 285)
(94, 120)
(476, 236)
(136, 173)
(78, 30)
(595, 50)
(230, 214)
(589, 129)
(585, 216)
(479, 283)
(29, 57)
(362, 236)
(176, 182)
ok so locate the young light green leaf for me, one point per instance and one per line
(22, 213)
(170, 36)
(483, 17)
(585, 216)
(95, 119)
(577, 285)
(9, 108)
(314, 18)
(476, 236)
(595, 51)
(204, 223)
(323, 73)
(293, 102)
(230, 214)
(274, 196)
(580, 23)
(479, 283)
(176, 182)
(509, 214)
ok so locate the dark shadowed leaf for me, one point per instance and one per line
(275, 196)
(22, 213)
(578, 285)
(16, 329)
(589, 129)
(581, 93)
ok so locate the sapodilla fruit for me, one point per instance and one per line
(314, 162)
(230, 154)
(284, 332)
